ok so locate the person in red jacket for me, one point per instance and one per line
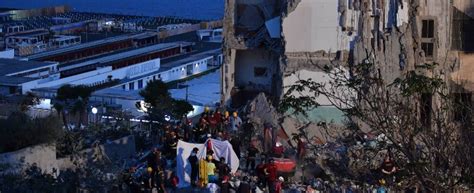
(279, 185)
(218, 117)
(301, 148)
(278, 150)
(271, 173)
(212, 124)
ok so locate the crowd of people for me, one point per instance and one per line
(258, 171)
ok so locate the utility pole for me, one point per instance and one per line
(187, 93)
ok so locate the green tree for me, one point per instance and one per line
(181, 108)
(73, 99)
(158, 101)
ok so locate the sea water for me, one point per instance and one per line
(191, 9)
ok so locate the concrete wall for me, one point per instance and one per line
(314, 25)
(246, 61)
(44, 156)
(463, 76)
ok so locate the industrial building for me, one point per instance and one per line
(17, 76)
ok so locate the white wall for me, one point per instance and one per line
(9, 54)
(176, 73)
(44, 156)
(98, 75)
(305, 75)
(316, 76)
(314, 26)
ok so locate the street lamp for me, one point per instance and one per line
(94, 111)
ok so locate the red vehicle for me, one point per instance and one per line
(285, 167)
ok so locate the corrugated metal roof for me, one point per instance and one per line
(88, 45)
(123, 55)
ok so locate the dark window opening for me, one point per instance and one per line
(427, 29)
(428, 39)
(131, 86)
(428, 48)
(260, 71)
(140, 84)
(189, 70)
(425, 109)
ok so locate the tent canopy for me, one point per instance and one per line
(220, 148)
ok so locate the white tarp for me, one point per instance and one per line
(220, 148)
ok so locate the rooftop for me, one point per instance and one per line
(175, 62)
(34, 32)
(89, 44)
(14, 81)
(122, 55)
(10, 66)
(186, 58)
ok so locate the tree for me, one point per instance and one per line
(181, 108)
(413, 113)
(74, 99)
(158, 99)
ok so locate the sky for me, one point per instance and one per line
(192, 9)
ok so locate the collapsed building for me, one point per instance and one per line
(267, 44)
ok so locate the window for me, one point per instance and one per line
(131, 86)
(428, 38)
(140, 84)
(428, 49)
(260, 72)
(123, 86)
(427, 29)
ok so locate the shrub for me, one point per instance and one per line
(19, 131)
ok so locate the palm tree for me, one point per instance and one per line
(72, 98)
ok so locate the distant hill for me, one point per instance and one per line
(192, 9)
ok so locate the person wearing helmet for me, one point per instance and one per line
(148, 178)
(235, 123)
(271, 173)
(211, 170)
(279, 184)
(278, 150)
(218, 117)
(381, 188)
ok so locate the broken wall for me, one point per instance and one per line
(315, 26)
(254, 69)
(252, 47)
